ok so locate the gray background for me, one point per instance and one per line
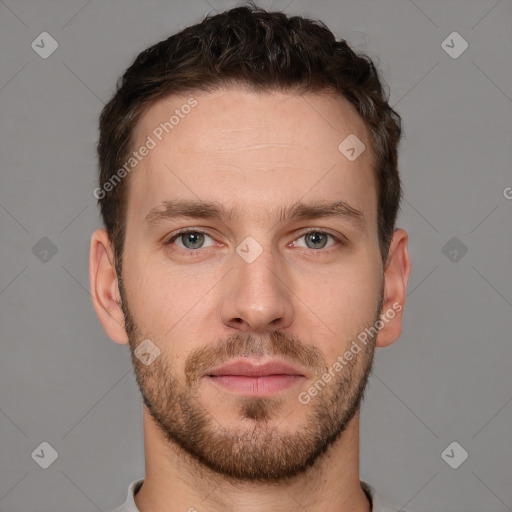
(448, 378)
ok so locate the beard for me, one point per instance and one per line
(255, 450)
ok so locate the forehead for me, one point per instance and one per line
(254, 149)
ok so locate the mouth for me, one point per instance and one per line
(250, 379)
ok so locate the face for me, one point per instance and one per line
(252, 262)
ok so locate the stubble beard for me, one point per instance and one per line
(255, 450)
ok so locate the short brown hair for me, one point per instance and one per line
(263, 51)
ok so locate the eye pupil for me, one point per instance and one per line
(316, 237)
(196, 237)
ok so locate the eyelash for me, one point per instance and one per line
(189, 252)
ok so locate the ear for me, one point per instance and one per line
(396, 276)
(105, 294)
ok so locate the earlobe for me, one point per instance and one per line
(396, 277)
(104, 287)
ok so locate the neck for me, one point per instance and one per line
(175, 482)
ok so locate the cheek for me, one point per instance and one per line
(341, 308)
(163, 293)
(174, 306)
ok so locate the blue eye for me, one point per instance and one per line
(318, 239)
(191, 240)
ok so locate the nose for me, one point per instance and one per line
(256, 296)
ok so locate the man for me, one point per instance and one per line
(249, 189)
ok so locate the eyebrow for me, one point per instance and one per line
(186, 208)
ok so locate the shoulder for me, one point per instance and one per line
(379, 503)
(129, 504)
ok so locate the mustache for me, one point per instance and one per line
(243, 344)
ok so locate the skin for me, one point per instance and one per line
(255, 153)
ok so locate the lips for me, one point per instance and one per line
(245, 378)
(251, 370)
